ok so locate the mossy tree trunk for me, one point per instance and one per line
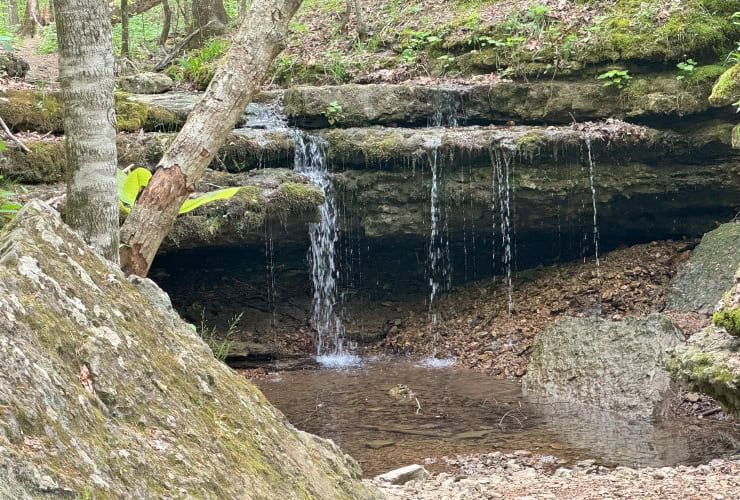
(86, 76)
(124, 29)
(237, 79)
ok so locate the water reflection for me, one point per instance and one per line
(389, 414)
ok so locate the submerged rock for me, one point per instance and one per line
(105, 394)
(709, 272)
(616, 366)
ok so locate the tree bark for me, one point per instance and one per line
(124, 29)
(13, 12)
(237, 79)
(360, 25)
(31, 19)
(210, 17)
(86, 76)
(166, 23)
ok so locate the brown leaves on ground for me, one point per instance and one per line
(474, 325)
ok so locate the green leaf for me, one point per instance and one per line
(220, 194)
(135, 180)
(2, 145)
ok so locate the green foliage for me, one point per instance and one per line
(131, 184)
(219, 344)
(335, 66)
(48, 43)
(6, 41)
(199, 65)
(333, 112)
(8, 209)
(418, 40)
(618, 77)
(687, 66)
(729, 319)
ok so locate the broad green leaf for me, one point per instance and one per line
(2, 145)
(121, 179)
(221, 194)
(135, 180)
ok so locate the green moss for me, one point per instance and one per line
(295, 198)
(729, 319)
(45, 163)
(727, 89)
(32, 110)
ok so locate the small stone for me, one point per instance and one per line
(403, 475)
(522, 453)
(692, 397)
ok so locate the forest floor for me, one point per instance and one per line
(522, 475)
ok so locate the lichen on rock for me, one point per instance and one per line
(108, 394)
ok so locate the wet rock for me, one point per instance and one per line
(103, 391)
(146, 83)
(404, 475)
(709, 272)
(616, 366)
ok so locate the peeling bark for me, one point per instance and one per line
(238, 78)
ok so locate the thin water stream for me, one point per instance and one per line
(390, 413)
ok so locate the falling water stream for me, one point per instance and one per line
(501, 160)
(331, 348)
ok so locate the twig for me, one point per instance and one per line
(12, 137)
(710, 412)
(418, 406)
(171, 56)
(500, 422)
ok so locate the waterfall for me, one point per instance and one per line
(310, 160)
(591, 169)
(501, 202)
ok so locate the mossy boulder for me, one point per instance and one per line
(710, 271)
(42, 112)
(709, 362)
(727, 314)
(13, 65)
(616, 366)
(46, 162)
(106, 393)
(727, 89)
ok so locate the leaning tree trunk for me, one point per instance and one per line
(31, 19)
(237, 80)
(166, 23)
(86, 76)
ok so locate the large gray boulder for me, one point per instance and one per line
(105, 395)
(709, 272)
(616, 366)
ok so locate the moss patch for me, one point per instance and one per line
(727, 89)
(729, 319)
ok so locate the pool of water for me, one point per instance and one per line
(390, 413)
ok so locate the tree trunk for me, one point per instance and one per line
(124, 29)
(210, 17)
(30, 19)
(86, 76)
(13, 12)
(166, 23)
(237, 80)
(360, 25)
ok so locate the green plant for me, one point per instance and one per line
(48, 43)
(447, 60)
(333, 112)
(131, 184)
(220, 345)
(618, 77)
(688, 66)
(6, 41)
(335, 66)
(8, 209)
